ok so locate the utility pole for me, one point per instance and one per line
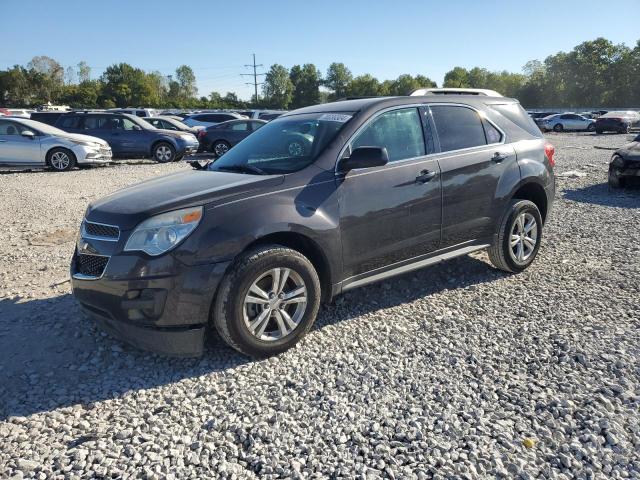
(255, 76)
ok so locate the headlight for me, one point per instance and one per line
(161, 233)
(86, 144)
(188, 137)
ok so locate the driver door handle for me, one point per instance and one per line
(498, 157)
(425, 176)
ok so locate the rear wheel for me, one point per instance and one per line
(61, 159)
(163, 152)
(591, 127)
(268, 301)
(625, 129)
(220, 147)
(558, 127)
(519, 237)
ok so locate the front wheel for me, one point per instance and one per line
(164, 152)
(614, 180)
(61, 159)
(268, 301)
(518, 238)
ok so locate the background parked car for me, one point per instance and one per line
(130, 136)
(138, 112)
(27, 143)
(625, 164)
(566, 121)
(261, 114)
(170, 123)
(4, 111)
(20, 112)
(220, 138)
(617, 121)
(211, 118)
(536, 115)
(50, 118)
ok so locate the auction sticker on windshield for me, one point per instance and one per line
(334, 117)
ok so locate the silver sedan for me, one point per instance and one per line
(27, 143)
(566, 121)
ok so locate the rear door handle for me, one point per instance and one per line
(425, 176)
(498, 157)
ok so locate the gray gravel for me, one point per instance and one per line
(456, 371)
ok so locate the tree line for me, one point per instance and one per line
(594, 73)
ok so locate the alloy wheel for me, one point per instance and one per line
(220, 149)
(60, 160)
(524, 237)
(275, 304)
(163, 153)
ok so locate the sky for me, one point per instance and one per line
(383, 38)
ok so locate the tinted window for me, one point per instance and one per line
(566, 117)
(240, 126)
(458, 127)
(256, 125)
(491, 133)
(70, 122)
(96, 122)
(516, 114)
(122, 123)
(399, 131)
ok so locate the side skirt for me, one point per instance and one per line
(413, 264)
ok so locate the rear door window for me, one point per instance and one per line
(399, 131)
(70, 122)
(96, 122)
(240, 127)
(458, 127)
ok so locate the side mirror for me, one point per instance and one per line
(28, 134)
(365, 157)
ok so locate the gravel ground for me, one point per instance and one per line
(456, 371)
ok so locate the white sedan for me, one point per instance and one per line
(566, 121)
(27, 143)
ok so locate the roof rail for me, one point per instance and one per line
(454, 91)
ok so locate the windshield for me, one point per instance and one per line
(43, 127)
(285, 145)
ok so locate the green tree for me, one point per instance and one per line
(364, 86)
(126, 86)
(306, 82)
(278, 88)
(187, 82)
(84, 72)
(458, 77)
(337, 80)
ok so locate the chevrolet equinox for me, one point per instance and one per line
(319, 201)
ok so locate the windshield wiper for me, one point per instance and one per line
(250, 169)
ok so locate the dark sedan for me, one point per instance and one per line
(620, 122)
(625, 163)
(220, 138)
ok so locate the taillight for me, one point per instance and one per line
(549, 151)
(201, 133)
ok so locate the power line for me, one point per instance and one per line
(255, 75)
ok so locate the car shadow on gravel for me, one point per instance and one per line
(53, 357)
(601, 194)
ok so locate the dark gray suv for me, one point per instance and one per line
(319, 201)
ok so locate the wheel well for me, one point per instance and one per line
(534, 193)
(309, 249)
(47, 157)
(154, 144)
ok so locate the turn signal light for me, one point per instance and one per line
(549, 151)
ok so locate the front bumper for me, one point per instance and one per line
(157, 304)
(89, 155)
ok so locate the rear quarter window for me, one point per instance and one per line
(516, 114)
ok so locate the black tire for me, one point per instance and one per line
(591, 127)
(163, 152)
(230, 309)
(61, 159)
(220, 147)
(614, 181)
(178, 158)
(558, 127)
(501, 253)
(626, 129)
(599, 132)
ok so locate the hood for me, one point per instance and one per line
(129, 206)
(631, 151)
(84, 138)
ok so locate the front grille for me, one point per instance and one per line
(91, 265)
(100, 230)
